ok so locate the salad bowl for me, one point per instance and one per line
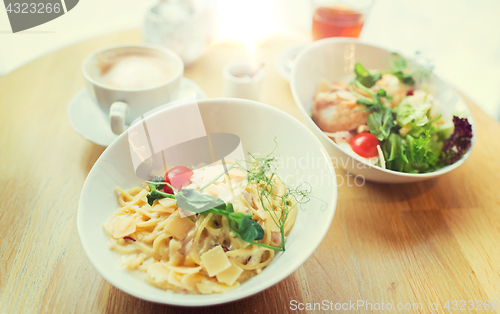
(333, 59)
(291, 140)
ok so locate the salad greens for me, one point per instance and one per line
(399, 69)
(410, 141)
(380, 121)
(365, 77)
(459, 141)
(406, 114)
(407, 72)
(412, 154)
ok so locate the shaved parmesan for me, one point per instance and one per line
(184, 270)
(215, 261)
(190, 280)
(212, 190)
(208, 287)
(160, 208)
(237, 173)
(211, 172)
(175, 257)
(158, 272)
(230, 275)
(204, 288)
(123, 227)
(197, 182)
(175, 279)
(167, 202)
(178, 226)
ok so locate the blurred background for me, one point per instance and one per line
(460, 37)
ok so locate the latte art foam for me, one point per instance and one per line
(136, 71)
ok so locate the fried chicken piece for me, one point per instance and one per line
(393, 87)
(338, 111)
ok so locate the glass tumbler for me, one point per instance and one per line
(339, 18)
(184, 26)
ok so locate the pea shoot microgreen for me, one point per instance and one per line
(263, 173)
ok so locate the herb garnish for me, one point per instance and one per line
(380, 121)
(262, 173)
(365, 77)
(407, 72)
(241, 224)
(154, 186)
(400, 69)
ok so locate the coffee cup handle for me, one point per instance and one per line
(117, 114)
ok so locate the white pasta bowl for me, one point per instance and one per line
(257, 125)
(333, 59)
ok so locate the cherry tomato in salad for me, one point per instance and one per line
(176, 177)
(365, 144)
(410, 92)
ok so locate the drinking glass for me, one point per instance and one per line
(339, 18)
(184, 26)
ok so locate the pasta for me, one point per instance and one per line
(198, 254)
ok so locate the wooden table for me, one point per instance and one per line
(432, 241)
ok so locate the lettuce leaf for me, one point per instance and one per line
(394, 152)
(413, 154)
(381, 123)
(422, 153)
(406, 113)
(458, 143)
(364, 76)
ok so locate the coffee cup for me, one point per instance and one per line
(129, 80)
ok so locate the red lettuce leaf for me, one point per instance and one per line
(458, 143)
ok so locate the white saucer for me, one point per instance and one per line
(285, 59)
(89, 121)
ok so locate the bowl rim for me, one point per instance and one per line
(205, 300)
(311, 124)
(279, 60)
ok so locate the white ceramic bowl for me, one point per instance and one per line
(257, 125)
(333, 59)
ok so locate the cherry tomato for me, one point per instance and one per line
(410, 92)
(365, 144)
(176, 177)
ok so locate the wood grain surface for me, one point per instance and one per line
(432, 241)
